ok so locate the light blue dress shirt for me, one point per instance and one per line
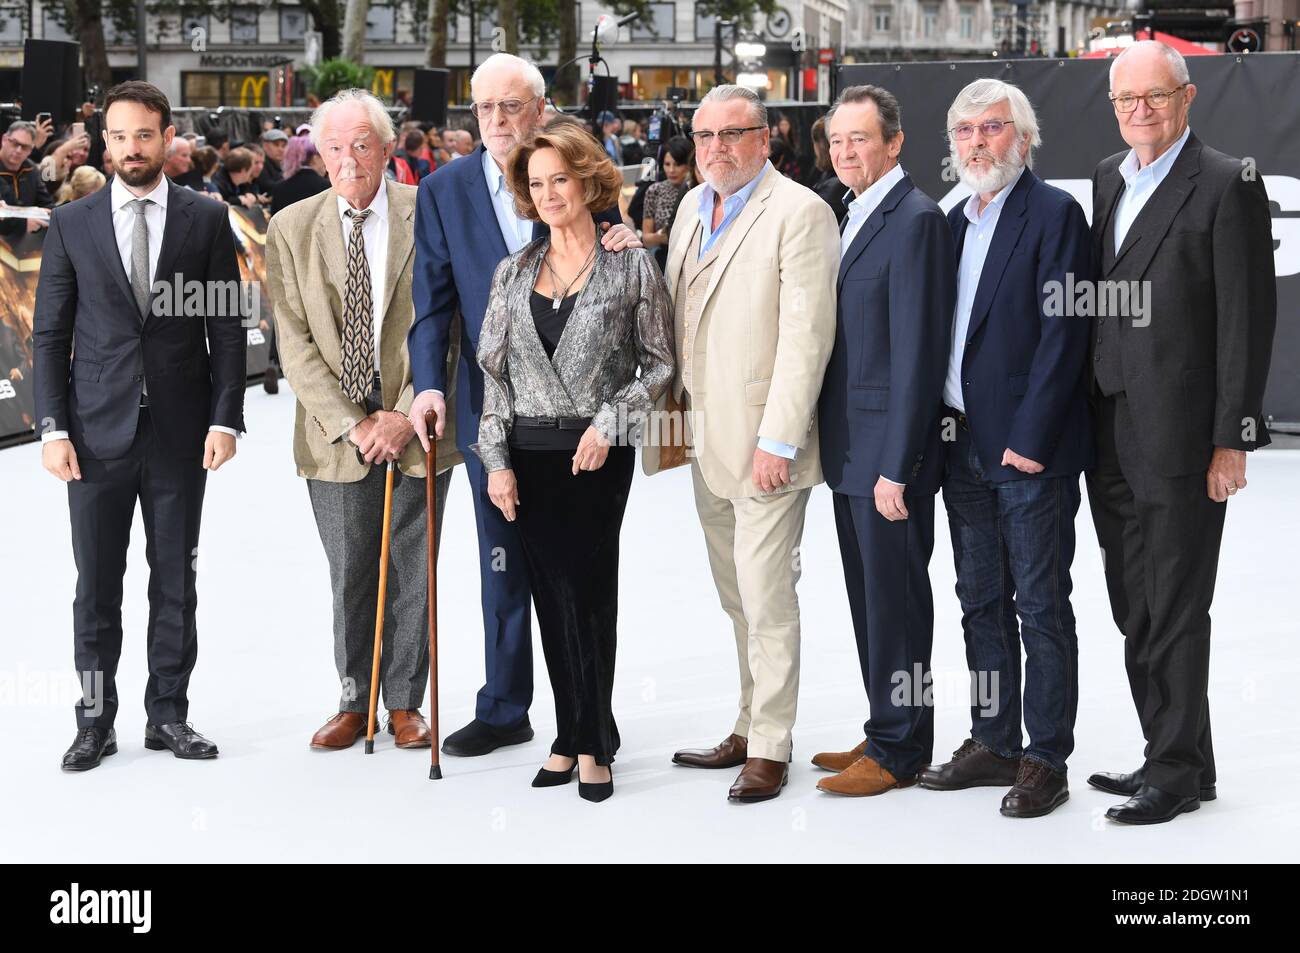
(974, 249)
(860, 208)
(517, 231)
(1140, 183)
(731, 208)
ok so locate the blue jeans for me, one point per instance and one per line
(1013, 543)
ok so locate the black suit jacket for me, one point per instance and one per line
(1195, 376)
(93, 350)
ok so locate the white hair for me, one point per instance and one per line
(509, 62)
(982, 94)
(380, 121)
(1177, 65)
(727, 92)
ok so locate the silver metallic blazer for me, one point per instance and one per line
(622, 320)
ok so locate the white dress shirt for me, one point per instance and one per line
(860, 208)
(374, 236)
(1140, 183)
(517, 231)
(974, 249)
(155, 218)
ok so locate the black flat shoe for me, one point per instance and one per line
(479, 738)
(549, 779)
(1153, 806)
(89, 748)
(180, 738)
(1129, 784)
(596, 791)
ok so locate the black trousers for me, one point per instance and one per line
(569, 527)
(1160, 541)
(102, 505)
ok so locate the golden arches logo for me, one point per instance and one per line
(382, 84)
(258, 86)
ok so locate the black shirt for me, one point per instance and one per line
(550, 324)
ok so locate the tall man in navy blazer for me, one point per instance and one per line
(137, 402)
(879, 412)
(1018, 421)
(465, 223)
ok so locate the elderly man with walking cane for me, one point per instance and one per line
(339, 267)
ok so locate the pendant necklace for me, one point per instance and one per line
(558, 295)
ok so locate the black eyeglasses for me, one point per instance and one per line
(729, 136)
(1156, 99)
(991, 128)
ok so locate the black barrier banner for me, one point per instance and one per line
(1246, 105)
(20, 266)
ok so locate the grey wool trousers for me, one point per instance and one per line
(350, 517)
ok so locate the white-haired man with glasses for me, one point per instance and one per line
(465, 224)
(1178, 392)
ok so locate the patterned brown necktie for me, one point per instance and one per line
(358, 373)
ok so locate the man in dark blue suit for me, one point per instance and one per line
(465, 224)
(1018, 438)
(879, 414)
(138, 399)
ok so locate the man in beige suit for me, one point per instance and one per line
(752, 276)
(339, 270)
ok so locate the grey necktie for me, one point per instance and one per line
(140, 255)
(358, 351)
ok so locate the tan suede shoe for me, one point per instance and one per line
(863, 778)
(341, 731)
(839, 760)
(410, 729)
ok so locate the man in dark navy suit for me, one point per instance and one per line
(465, 223)
(1017, 416)
(879, 412)
(137, 398)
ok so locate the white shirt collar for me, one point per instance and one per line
(378, 205)
(874, 194)
(119, 195)
(972, 207)
(1129, 167)
(496, 179)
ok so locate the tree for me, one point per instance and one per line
(354, 30)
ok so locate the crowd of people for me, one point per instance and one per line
(885, 348)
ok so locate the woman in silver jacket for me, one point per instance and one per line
(568, 325)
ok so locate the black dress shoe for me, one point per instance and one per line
(479, 738)
(90, 746)
(549, 779)
(271, 379)
(1130, 784)
(596, 791)
(180, 738)
(1153, 806)
(1038, 790)
(972, 766)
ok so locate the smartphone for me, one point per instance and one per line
(77, 129)
(42, 117)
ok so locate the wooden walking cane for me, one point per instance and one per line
(431, 520)
(379, 611)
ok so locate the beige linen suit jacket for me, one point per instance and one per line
(306, 269)
(764, 336)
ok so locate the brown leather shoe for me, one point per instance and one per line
(839, 760)
(410, 729)
(972, 766)
(729, 754)
(761, 779)
(341, 731)
(865, 777)
(1039, 790)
